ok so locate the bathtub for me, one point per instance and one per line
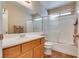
(65, 48)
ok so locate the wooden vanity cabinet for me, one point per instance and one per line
(30, 45)
(27, 54)
(31, 49)
(11, 52)
(39, 51)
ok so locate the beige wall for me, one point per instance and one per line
(59, 9)
(1, 27)
(16, 16)
(1, 22)
(77, 15)
(39, 8)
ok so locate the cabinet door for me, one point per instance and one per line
(30, 45)
(11, 52)
(27, 54)
(39, 51)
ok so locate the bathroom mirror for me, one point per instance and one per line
(37, 22)
(19, 19)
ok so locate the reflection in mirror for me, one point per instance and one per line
(29, 25)
(15, 18)
(37, 23)
(5, 20)
(20, 20)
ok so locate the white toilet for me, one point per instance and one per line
(48, 48)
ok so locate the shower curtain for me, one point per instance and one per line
(60, 29)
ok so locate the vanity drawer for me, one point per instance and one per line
(30, 45)
(11, 52)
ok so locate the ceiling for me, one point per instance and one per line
(54, 4)
(46, 4)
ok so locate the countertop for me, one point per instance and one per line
(15, 39)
